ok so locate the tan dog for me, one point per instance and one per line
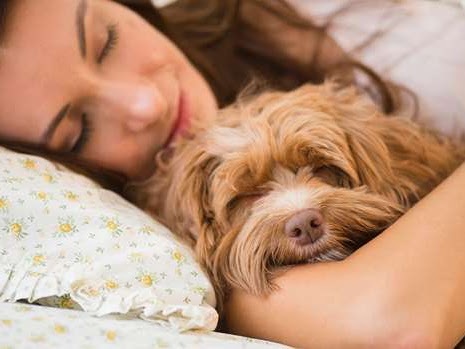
(285, 178)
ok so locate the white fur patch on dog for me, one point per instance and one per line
(291, 200)
(224, 140)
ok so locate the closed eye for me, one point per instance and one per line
(244, 200)
(84, 136)
(111, 42)
(333, 176)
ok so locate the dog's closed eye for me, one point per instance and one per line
(333, 176)
(244, 200)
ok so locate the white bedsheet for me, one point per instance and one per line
(422, 47)
(25, 326)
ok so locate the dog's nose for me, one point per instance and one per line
(305, 227)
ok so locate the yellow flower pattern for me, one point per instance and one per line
(110, 335)
(46, 327)
(178, 256)
(60, 329)
(6, 322)
(29, 164)
(66, 227)
(89, 249)
(112, 225)
(111, 285)
(71, 196)
(47, 177)
(147, 229)
(39, 259)
(146, 278)
(41, 195)
(200, 290)
(16, 228)
(4, 204)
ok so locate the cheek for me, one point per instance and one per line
(131, 159)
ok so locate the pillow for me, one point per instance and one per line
(162, 3)
(66, 241)
(417, 44)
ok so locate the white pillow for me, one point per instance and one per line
(419, 44)
(162, 3)
(62, 235)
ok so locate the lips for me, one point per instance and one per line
(182, 120)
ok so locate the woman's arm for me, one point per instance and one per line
(406, 288)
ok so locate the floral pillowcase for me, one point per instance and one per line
(65, 241)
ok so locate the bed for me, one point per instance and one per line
(25, 326)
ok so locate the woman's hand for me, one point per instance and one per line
(403, 289)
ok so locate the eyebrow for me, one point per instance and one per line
(80, 16)
(81, 38)
(54, 124)
(4, 12)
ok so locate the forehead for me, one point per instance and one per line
(40, 34)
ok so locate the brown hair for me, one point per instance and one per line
(230, 47)
(226, 43)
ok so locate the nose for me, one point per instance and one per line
(137, 104)
(305, 227)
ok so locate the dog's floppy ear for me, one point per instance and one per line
(189, 206)
(362, 124)
(188, 197)
(179, 195)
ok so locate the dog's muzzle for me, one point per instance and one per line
(305, 227)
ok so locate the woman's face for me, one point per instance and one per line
(92, 77)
